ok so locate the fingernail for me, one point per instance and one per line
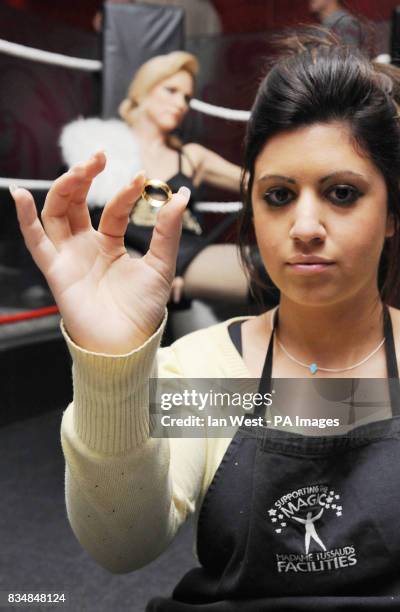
(140, 174)
(96, 155)
(13, 188)
(185, 191)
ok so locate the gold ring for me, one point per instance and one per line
(156, 193)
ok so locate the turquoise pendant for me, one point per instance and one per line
(313, 368)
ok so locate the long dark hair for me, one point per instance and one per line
(318, 80)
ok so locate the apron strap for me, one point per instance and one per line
(390, 350)
(391, 363)
(265, 381)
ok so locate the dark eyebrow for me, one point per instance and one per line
(340, 173)
(278, 177)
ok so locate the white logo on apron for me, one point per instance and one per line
(306, 506)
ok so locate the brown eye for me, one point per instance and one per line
(343, 194)
(279, 196)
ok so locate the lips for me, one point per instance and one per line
(305, 260)
(315, 264)
(309, 264)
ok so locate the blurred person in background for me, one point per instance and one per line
(333, 15)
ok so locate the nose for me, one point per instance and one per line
(308, 224)
(181, 102)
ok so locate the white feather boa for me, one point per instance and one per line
(80, 139)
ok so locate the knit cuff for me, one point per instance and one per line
(111, 394)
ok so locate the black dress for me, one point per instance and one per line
(138, 236)
(192, 242)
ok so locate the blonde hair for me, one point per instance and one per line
(150, 74)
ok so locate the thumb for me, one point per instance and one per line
(163, 249)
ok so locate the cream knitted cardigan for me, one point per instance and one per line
(127, 494)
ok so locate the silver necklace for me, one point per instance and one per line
(313, 367)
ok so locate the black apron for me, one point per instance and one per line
(294, 522)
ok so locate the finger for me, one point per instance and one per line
(65, 191)
(115, 217)
(176, 294)
(78, 212)
(177, 289)
(39, 245)
(163, 249)
(171, 298)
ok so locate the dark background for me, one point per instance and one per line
(236, 15)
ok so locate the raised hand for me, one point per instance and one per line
(110, 302)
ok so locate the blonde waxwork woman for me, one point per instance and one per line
(157, 102)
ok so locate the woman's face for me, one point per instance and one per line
(168, 102)
(316, 6)
(314, 196)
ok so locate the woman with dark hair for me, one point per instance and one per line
(296, 511)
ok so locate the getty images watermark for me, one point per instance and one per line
(194, 408)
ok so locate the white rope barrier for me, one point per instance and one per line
(46, 57)
(26, 183)
(218, 207)
(383, 58)
(219, 111)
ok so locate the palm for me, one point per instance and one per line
(109, 301)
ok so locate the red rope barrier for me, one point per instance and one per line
(31, 314)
